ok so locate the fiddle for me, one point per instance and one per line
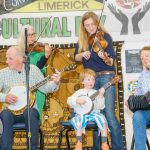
(36, 47)
(98, 42)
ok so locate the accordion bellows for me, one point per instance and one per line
(140, 102)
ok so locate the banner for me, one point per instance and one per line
(57, 22)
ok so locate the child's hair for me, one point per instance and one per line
(87, 72)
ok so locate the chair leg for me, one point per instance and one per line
(67, 138)
(60, 137)
(41, 140)
(132, 144)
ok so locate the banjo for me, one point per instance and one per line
(88, 106)
(21, 93)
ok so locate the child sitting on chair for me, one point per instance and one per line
(78, 100)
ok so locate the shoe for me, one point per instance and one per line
(105, 146)
(78, 146)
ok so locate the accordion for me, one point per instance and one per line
(140, 102)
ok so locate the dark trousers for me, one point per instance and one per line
(8, 119)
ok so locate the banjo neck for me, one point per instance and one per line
(95, 94)
(39, 84)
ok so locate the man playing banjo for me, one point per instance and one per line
(80, 102)
(14, 78)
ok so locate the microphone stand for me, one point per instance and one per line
(27, 69)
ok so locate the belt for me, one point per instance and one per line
(104, 72)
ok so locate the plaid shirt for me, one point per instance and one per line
(10, 78)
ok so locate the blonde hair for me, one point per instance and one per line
(87, 72)
(21, 37)
(83, 34)
(146, 48)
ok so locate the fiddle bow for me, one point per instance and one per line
(99, 43)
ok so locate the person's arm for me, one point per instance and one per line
(72, 100)
(2, 95)
(6, 97)
(37, 76)
(139, 88)
(109, 51)
(80, 56)
(77, 56)
(41, 63)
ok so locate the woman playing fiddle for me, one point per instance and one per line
(39, 54)
(99, 56)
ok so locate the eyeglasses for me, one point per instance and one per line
(31, 35)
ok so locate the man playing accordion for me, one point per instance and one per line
(141, 118)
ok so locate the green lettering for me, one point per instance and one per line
(37, 26)
(45, 27)
(56, 28)
(7, 28)
(15, 28)
(77, 24)
(31, 21)
(24, 21)
(65, 31)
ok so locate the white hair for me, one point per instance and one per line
(21, 37)
(19, 51)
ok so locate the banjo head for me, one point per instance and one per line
(85, 108)
(21, 104)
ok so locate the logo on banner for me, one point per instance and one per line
(129, 4)
(11, 5)
(124, 18)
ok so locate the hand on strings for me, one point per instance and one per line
(101, 92)
(80, 101)
(102, 55)
(86, 55)
(56, 77)
(11, 99)
(48, 50)
(105, 57)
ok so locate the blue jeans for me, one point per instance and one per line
(109, 112)
(8, 119)
(140, 120)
